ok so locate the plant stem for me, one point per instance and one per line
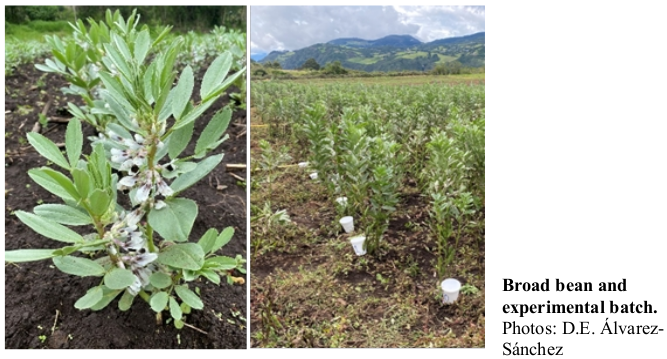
(144, 296)
(149, 234)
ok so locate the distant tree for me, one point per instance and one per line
(449, 68)
(310, 64)
(334, 68)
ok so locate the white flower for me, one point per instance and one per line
(164, 189)
(141, 260)
(136, 242)
(160, 204)
(135, 287)
(118, 155)
(142, 193)
(127, 182)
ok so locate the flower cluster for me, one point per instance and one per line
(131, 155)
(127, 236)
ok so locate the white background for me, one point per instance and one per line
(576, 149)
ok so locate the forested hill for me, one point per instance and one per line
(390, 53)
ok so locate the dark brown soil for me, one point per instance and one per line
(39, 299)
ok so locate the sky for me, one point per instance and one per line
(295, 27)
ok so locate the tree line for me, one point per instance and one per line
(183, 18)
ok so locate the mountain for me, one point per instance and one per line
(259, 56)
(390, 53)
(401, 41)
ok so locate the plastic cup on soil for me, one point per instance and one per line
(348, 223)
(313, 175)
(450, 290)
(358, 245)
(303, 164)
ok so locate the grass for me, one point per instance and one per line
(35, 30)
(398, 80)
(412, 55)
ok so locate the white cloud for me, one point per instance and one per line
(296, 27)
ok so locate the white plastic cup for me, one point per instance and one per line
(342, 201)
(303, 164)
(450, 290)
(348, 223)
(358, 245)
(313, 175)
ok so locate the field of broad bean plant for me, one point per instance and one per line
(125, 226)
(407, 163)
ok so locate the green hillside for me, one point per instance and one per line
(392, 53)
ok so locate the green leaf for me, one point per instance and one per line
(208, 240)
(62, 181)
(141, 46)
(115, 90)
(47, 149)
(203, 168)
(82, 181)
(214, 130)
(185, 256)
(93, 295)
(49, 228)
(119, 278)
(119, 130)
(99, 202)
(28, 255)
(63, 214)
(224, 238)
(159, 301)
(82, 267)
(220, 89)
(175, 309)
(211, 275)
(160, 280)
(107, 296)
(40, 176)
(117, 59)
(125, 301)
(44, 68)
(182, 92)
(189, 297)
(73, 141)
(194, 114)
(148, 83)
(174, 221)
(221, 263)
(179, 140)
(178, 324)
(215, 74)
(185, 308)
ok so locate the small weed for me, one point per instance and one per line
(24, 109)
(42, 338)
(23, 141)
(241, 184)
(469, 289)
(41, 83)
(382, 279)
(43, 120)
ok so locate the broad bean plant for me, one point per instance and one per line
(144, 250)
